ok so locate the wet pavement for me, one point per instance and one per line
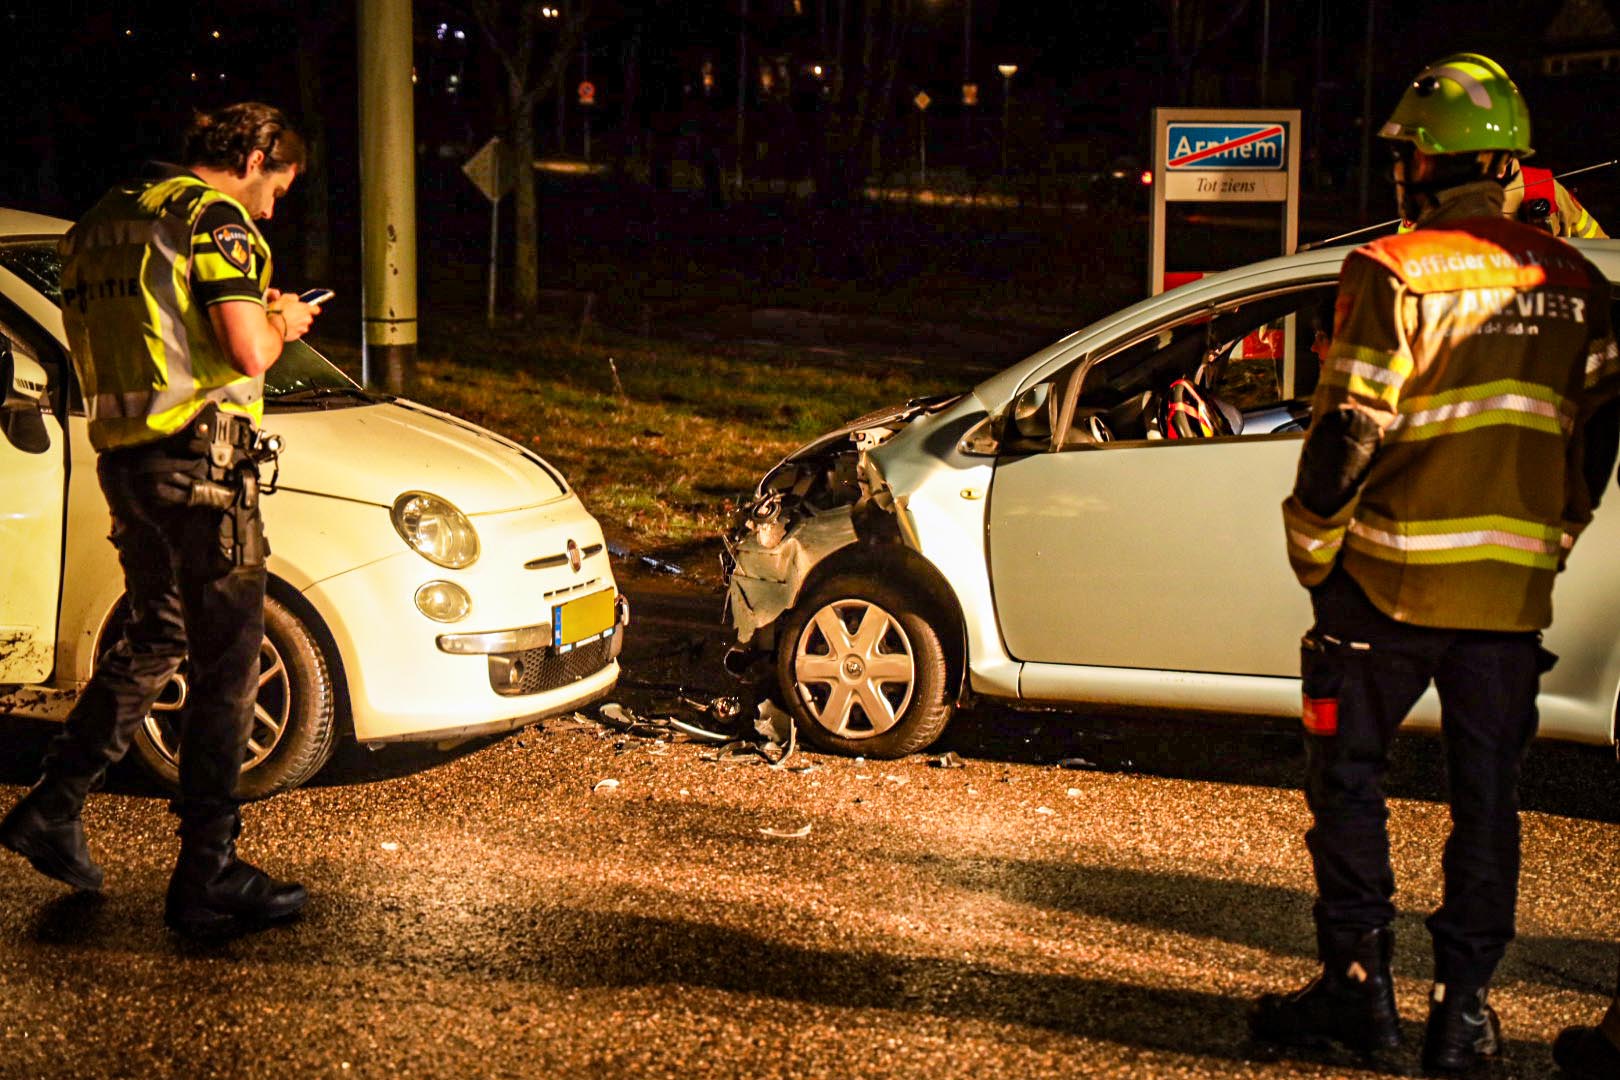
(491, 912)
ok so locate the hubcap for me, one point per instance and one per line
(271, 710)
(853, 669)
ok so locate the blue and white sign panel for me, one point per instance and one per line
(1223, 147)
(1213, 161)
(1221, 156)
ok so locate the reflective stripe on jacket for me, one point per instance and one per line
(1472, 349)
(142, 344)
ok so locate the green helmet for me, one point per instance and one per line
(1459, 105)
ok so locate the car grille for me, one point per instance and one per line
(545, 669)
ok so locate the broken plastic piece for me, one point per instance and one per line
(788, 834)
(1076, 763)
(699, 733)
(1045, 810)
(948, 760)
(390, 845)
(605, 785)
(773, 722)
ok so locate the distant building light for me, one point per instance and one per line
(222, 76)
(193, 76)
(440, 30)
(129, 33)
(816, 70)
(1146, 179)
(214, 35)
(461, 35)
(1007, 70)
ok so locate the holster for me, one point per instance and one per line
(215, 465)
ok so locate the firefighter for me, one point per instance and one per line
(172, 324)
(1535, 197)
(1451, 461)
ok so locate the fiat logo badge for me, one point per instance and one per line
(574, 558)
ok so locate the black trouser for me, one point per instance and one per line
(186, 599)
(1371, 670)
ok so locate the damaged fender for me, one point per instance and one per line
(766, 580)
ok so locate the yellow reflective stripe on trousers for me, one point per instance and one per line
(1458, 540)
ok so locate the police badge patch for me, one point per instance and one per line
(235, 243)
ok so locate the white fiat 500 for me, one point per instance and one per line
(1100, 522)
(429, 580)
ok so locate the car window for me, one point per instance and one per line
(1217, 371)
(36, 262)
(299, 370)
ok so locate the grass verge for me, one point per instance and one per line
(659, 438)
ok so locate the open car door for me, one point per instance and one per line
(33, 487)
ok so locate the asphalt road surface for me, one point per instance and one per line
(492, 912)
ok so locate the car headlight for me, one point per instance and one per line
(435, 529)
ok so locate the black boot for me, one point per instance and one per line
(45, 829)
(1352, 1002)
(215, 894)
(1462, 1029)
(1585, 1053)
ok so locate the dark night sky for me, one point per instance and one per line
(92, 100)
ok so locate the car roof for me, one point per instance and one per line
(1317, 264)
(15, 224)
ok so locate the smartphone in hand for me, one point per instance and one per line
(316, 296)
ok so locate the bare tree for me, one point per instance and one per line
(1194, 27)
(862, 91)
(513, 29)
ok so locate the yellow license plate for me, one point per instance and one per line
(586, 617)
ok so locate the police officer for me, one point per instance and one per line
(1447, 470)
(171, 325)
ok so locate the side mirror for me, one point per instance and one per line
(21, 378)
(22, 424)
(1032, 412)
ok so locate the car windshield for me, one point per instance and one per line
(301, 377)
(36, 263)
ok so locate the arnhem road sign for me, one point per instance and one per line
(1226, 162)
(491, 169)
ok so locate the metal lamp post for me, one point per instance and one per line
(1007, 72)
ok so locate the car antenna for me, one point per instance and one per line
(1396, 221)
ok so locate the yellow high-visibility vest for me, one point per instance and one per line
(142, 343)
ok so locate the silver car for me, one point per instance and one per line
(1098, 523)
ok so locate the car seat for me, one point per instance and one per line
(1191, 413)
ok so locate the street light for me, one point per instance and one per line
(1007, 72)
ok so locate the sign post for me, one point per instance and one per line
(922, 101)
(1224, 156)
(492, 171)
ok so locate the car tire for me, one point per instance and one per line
(294, 717)
(877, 688)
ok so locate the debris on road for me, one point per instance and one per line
(1077, 763)
(787, 834)
(620, 552)
(1045, 810)
(948, 760)
(390, 845)
(605, 785)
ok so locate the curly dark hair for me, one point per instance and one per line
(223, 138)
